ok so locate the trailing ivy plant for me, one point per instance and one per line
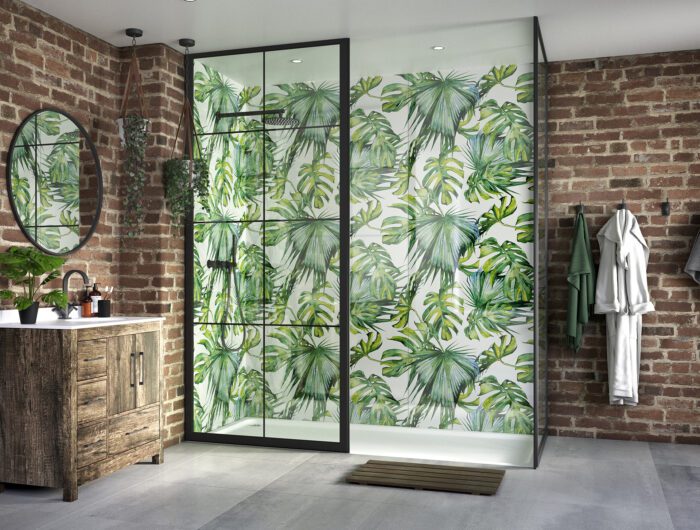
(180, 190)
(135, 138)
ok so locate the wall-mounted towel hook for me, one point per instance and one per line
(622, 205)
(666, 208)
(579, 208)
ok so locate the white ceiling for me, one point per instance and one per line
(572, 29)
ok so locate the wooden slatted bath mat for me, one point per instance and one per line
(457, 479)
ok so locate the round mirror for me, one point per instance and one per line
(54, 182)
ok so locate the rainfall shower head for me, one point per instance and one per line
(273, 117)
(281, 121)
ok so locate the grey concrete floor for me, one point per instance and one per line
(580, 484)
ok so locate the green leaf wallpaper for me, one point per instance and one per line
(441, 274)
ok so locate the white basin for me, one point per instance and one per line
(48, 320)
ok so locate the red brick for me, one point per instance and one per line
(652, 143)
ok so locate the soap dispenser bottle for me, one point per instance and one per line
(95, 297)
(86, 304)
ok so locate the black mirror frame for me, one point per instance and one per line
(98, 173)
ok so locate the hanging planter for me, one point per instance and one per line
(185, 179)
(133, 134)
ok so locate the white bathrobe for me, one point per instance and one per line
(622, 295)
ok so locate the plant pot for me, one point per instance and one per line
(182, 189)
(120, 124)
(28, 316)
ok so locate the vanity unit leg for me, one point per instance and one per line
(160, 457)
(70, 490)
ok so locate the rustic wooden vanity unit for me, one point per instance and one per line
(80, 402)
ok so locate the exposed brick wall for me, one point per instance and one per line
(46, 62)
(628, 127)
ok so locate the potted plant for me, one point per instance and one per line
(186, 177)
(32, 270)
(183, 180)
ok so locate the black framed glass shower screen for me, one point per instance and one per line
(541, 192)
(268, 250)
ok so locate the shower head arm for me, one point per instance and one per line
(269, 112)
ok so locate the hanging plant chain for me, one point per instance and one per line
(187, 177)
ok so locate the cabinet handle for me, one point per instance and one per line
(141, 368)
(132, 377)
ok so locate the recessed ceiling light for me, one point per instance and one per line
(296, 61)
(189, 0)
(438, 48)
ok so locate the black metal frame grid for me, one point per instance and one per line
(98, 174)
(343, 445)
(540, 353)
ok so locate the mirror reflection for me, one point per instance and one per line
(55, 182)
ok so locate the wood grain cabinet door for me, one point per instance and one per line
(122, 358)
(147, 346)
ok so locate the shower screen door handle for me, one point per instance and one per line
(141, 368)
(132, 364)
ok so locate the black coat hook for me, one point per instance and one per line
(579, 208)
(666, 208)
(623, 205)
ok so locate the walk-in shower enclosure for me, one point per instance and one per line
(368, 272)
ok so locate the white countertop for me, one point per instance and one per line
(9, 319)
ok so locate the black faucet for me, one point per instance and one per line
(65, 313)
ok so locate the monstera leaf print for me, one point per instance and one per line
(508, 260)
(372, 401)
(444, 176)
(509, 122)
(491, 312)
(373, 130)
(441, 286)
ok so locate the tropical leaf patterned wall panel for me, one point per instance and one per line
(441, 270)
(441, 253)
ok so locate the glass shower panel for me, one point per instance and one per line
(303, 269)
(302, 371)
(442, 271)
(229, 388)
(227, 102)
(542, 236)
(216, 297)
(302, 242)
(227, 253)
(266, 247)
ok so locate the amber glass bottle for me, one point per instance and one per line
(86, 304)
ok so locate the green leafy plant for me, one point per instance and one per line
(135, 138)
(184, 180)
(31, 269)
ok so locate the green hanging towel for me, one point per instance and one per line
(581, 279)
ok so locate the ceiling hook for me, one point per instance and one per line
(187, 44)
(134, 33)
